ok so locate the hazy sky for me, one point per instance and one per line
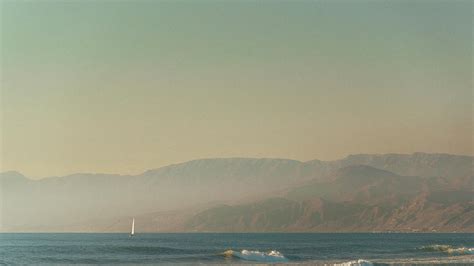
(121, 87)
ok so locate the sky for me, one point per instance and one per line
(127, 86)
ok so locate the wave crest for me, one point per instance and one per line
(448, 249)
(359, 262)
(255, 255)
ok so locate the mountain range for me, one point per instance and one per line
(387, 192)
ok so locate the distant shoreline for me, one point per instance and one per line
(274, 232)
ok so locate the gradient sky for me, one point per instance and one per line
(122, 87)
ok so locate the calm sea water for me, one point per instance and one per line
(210, 248)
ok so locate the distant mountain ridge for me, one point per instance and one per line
(65, 202)
(419, 163)
(357, 198)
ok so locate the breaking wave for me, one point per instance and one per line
(448, 249)
(359, 262)
(255, 255)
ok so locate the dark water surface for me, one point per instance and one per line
(210, 248)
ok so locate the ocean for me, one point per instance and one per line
(238, 248)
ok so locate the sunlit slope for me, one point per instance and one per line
(357, 198)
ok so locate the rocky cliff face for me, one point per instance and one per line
(358, 198)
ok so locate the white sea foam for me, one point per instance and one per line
(255, 255)
(461, 251)
(359, 262)
(449, 249)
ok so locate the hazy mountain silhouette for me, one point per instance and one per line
(420, 184)
(358, 198)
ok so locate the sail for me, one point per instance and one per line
(133, 227)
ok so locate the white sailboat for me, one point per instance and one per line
(132, 233)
